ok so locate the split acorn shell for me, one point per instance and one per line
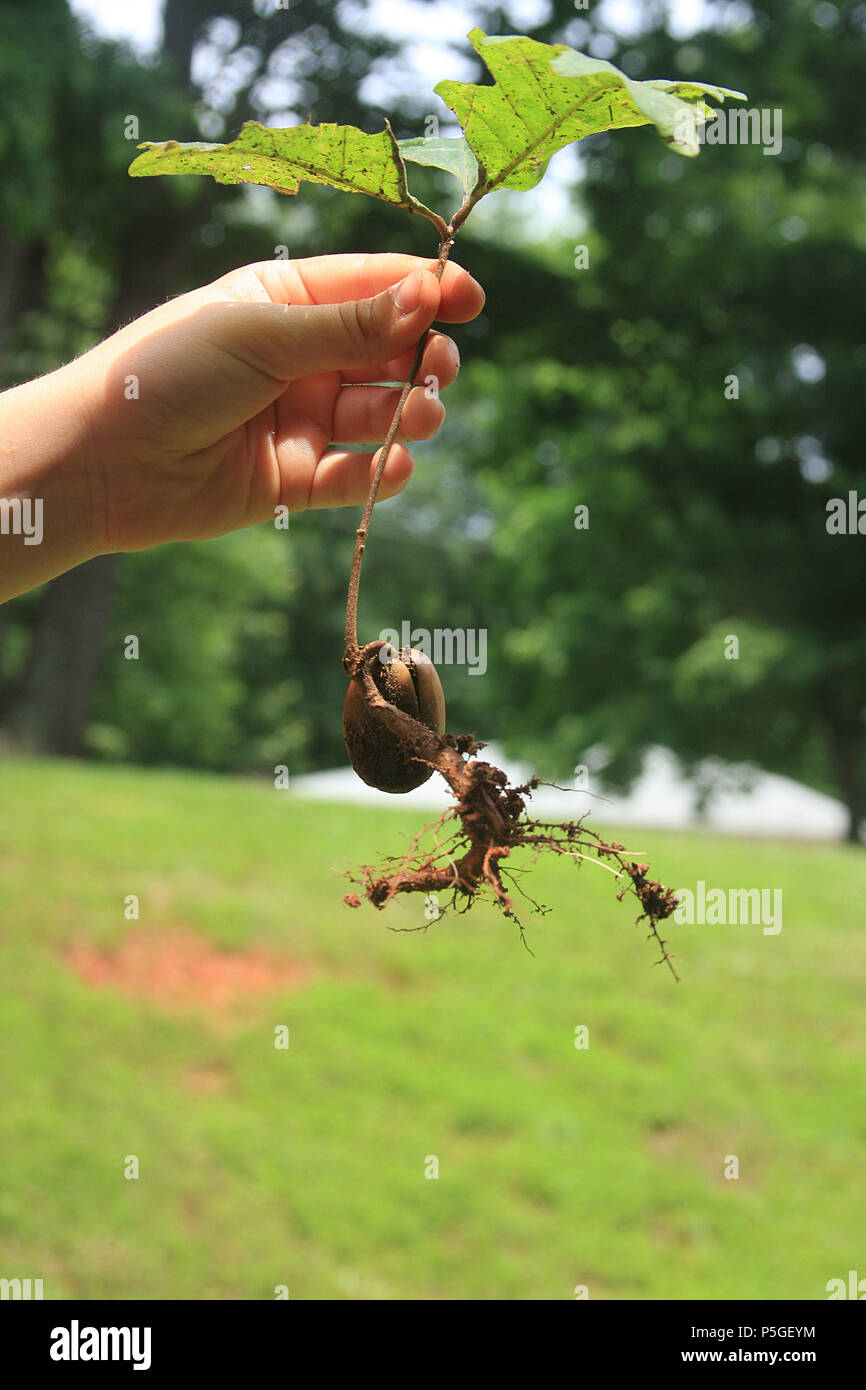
(409, 681)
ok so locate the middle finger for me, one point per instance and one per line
(441, 359)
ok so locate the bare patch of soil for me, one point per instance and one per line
(210, 1080)
(177, 969)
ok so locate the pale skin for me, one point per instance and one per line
(221, 406)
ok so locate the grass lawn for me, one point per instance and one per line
(305, 1167)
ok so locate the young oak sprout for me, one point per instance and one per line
(542, 97)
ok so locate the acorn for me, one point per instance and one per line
(408, 680)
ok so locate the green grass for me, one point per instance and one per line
(557, 1167)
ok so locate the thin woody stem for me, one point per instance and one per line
(353, 651)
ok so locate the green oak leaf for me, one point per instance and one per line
(442, 152)
(282, 157)
(546, 96)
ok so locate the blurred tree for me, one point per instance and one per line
(94, 263)
(707, 513)
(85, 249)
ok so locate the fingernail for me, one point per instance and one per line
(454, 354)
(407, 295)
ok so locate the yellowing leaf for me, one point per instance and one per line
(282, 157)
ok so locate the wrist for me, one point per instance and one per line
(51, 507)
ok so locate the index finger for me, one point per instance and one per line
(335, 279)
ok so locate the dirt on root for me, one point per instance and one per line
(177, 969)
(468, 850)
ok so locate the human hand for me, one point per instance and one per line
(214, 409)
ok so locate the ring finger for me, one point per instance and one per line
(441, 359)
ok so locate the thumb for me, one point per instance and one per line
(288, 341)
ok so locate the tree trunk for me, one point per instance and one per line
(21, 285)
(848, 752)
(4, 617)
(54, 703)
